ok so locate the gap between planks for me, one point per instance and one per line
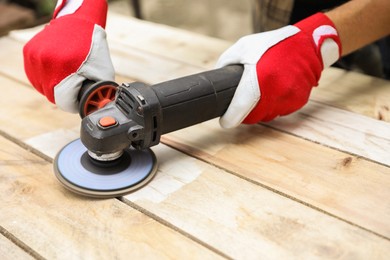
(20, 244)
(171, 226)
(297, 135)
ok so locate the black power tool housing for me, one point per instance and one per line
(135, 121)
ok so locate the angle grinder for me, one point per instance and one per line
(121, 122)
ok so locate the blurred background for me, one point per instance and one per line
(226, 19)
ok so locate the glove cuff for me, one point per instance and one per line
(324, 35)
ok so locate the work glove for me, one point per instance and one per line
(280, 69)
(69, 50)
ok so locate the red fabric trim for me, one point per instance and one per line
(58, 9)
(311, 23)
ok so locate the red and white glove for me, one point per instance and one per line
(71, 49)
(280, 69)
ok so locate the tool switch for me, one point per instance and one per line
(107, 121)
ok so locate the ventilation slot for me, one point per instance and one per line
(125, 102)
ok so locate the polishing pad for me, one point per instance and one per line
(78, 172)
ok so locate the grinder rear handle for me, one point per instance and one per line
(144, 112)
(196, 98)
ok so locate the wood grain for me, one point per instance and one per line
(344, 185)
(341, 129)
(28, 114)
(354, 92)
(221, 210)
(57, 224)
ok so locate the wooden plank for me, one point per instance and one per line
(9, 250)
(241, 218)
(57, 224)
(343, 130)
(147, 67)
(241, 214)
(343, 185)
(29, 112)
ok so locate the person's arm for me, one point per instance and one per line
(360, 22)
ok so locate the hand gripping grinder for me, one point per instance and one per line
(121, 123)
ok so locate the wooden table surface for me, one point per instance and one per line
(315, 184)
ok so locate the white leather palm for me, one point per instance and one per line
(97, 66)
(247, 51)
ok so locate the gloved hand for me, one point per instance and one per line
(71, 49)
(280, 69)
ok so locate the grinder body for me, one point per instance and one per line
(112, 158)
(141, 113)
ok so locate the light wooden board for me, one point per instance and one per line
(354, 92)
(243, 219)
(34, 115)
(57, 224)
(341, 129)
